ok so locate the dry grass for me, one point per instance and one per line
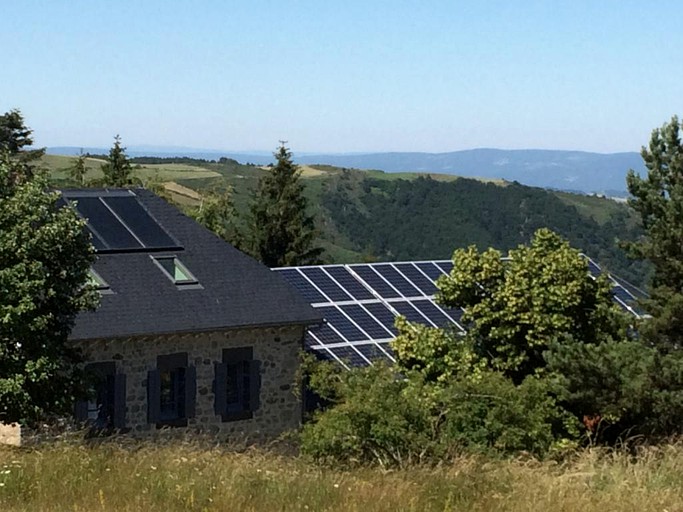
(183, 477)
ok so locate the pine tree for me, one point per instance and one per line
(117, 170)
(282, 233)
(78, 170)
(658, 198)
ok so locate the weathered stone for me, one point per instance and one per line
(280, 408)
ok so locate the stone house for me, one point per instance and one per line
(190, 332)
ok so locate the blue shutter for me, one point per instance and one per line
(254, 385)
(120, 400)
(81, 410)
(190, 391)
(220, 388)
(153, 396)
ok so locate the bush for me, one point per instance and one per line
(378, 416)
(628, 388)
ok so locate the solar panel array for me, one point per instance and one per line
(361, 301)
(118, 222)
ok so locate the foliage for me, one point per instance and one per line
(658, 199)
(117, 170)
(217, 212)
(514, 309)
(377, 417)
(45, 255)
(282, 233)
(628, 388)
(423, 218)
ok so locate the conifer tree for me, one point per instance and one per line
(78, 170)
(658, 199)
(282, 232)
(117, 170)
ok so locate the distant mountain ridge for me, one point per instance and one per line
(579, 171)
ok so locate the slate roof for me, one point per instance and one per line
(236, 290)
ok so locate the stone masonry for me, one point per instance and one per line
(277, 348)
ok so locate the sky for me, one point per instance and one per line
(352, 76)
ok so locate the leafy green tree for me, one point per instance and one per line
(217, 212)
(45, 254)
(658, 199)
(282, 232)
(117, 170)
(514, 309)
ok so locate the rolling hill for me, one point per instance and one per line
(374, 215)
(577, 171)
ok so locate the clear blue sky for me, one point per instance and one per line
(343, 76)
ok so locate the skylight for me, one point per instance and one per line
(175, 270)
(94, 279)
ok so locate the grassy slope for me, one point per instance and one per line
(179, 477)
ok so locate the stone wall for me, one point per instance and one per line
(10, 433)
(277, 348)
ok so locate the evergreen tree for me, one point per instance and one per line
(78, 170)
(282, 233)
(15, 139)
(117, 170)
(45, 254)
(658, 199)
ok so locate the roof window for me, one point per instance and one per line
(175, 271)
(95, 280)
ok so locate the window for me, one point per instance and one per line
(237, 384)
(105, 407)
(171, 390)
(176, 271)
(94, 279)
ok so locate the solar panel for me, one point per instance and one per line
(383, 314)
(372, 352)
(397, 280)
(140, 222)
(118, 222)
(325, 284)
(430, 269)
(105, 225)
(350, 356)
(432, 312)
(446, 266)
(307, 290)
(366, 322)
(342, 324)
(413, 273)
(349, 283)
(376, 282)
(406, 309)
(360, 303)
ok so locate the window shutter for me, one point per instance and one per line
(153, 396)
(254, 385)
(81, 410)
(220, 387)
(190, 391)
(120, 400)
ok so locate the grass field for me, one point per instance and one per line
(183, 477)
(58, 166)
